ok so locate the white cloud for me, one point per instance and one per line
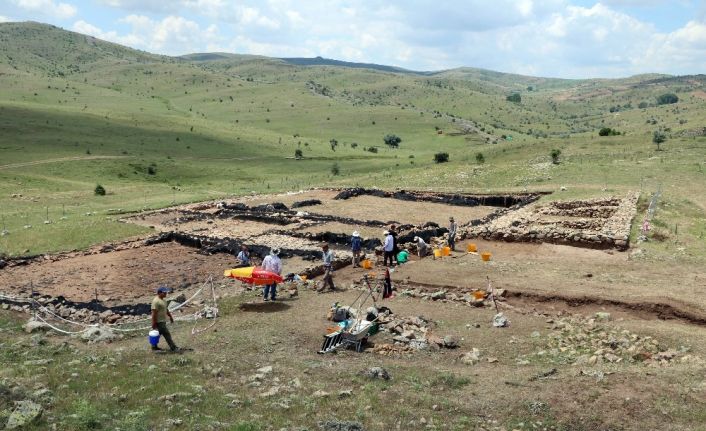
(172, 35)
(4, 19)
(47, 7)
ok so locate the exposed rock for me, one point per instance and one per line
(98, 334)
(376, 373)
(470, 358)
(335, 425)
(35, 325)
(438, 295)
(500, 321)
(320, 394)
(25, 413)
(450, 342)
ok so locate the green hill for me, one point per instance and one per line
(76, 111)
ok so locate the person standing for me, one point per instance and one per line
(395, 246)
(388, 248)
(244, 256)
(387, 285)
(422, 247)
(452, 233)
(356, 247)
(160, 313)
(273, 264)
(328, 268)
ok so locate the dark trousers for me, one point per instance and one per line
(328, 279)
(271, 289)
(388, 258)
(164, 332)
(452, 242)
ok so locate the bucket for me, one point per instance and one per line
(437, 253)
(485, 256)
(303, 277)
(479, 294)
(472, 248)
(367, 264)
(446, 251)
(154, 337)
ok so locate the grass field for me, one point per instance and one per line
(154, 131)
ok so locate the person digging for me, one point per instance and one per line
(328, 269)
(160, 312)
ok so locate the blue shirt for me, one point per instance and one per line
(356, 243)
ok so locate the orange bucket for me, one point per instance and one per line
(437, 253)
(303, 277)
(485, 256)
(479, 294)
(446, 251)
(472, 248)
(367, 264)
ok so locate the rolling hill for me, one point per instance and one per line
(77, 111)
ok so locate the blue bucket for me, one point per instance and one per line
(154, 337)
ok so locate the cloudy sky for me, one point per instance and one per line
(558, 38)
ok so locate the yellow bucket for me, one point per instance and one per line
(367, 264)
(303, 277)
(485, 256)
(446, 251)
(437, 253)
(472, 248)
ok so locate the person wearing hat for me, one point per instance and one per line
(160, 312)
(272, 263)
(244, 256)
(389, 248)
(328, 268)
(452, 233)
(422, 247)
(356, 246)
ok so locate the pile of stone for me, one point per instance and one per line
(474, 297)
(413, 333)
(589, 341)
(596, 223)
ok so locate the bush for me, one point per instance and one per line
(392, 141)
(642, 105)
(99, 190)
(479, 158)
(667, 98)
(514, 97)
(441, 157)
(298, 154)
(372, 149)
(607, 131)
(658, 137)
(152, 170)
(335, 170)
(555, 156)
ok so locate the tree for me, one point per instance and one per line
(335, 170)
(479, 158)
(658, 137)
(441, 157)
(334, 144)
(667, 98)
(642, 105)
(514, 97)
(99, 190)
(555, 156)
(607, 131)
(392, 141)
(298, 154)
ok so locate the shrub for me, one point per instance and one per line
(607, 131)
(667, 98)
(392, 141)
(152, 170)
(441, 157)
(99, 190)
(514, 97)
(480, 158)
(642, 105)
(298, 154)
(372, 149)
(658, 137)
(335, 170)
(333, 143)
(555, 156)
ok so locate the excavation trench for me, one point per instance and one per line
(542, 302)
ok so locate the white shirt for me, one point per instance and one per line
(272, 263)
(389, 243)
(328, 257)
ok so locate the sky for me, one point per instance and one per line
(551, 38)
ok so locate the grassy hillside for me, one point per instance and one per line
(76, 112)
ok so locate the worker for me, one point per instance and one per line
(356, 246)
(422, 246)
(395, 245)
(273, 264)
(402, 256)
(452, 233)
(160, 312)
(387, 285)
(243, 257)
(328, 268)
(388, 248)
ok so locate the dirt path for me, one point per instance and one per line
(58, 160)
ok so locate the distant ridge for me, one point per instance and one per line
(320, 61)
